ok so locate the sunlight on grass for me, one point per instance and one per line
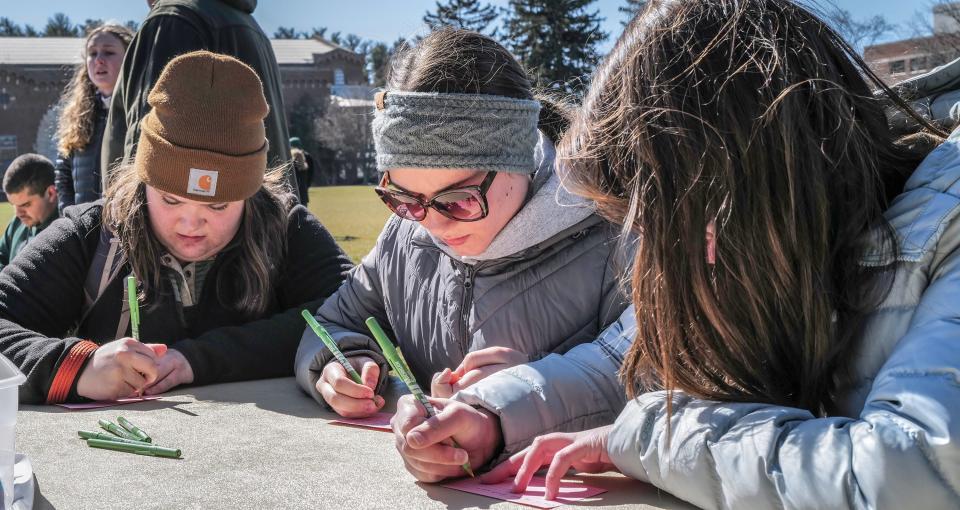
(353, 214)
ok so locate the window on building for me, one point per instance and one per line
(898, 67)
(338, 77)
(918, 64)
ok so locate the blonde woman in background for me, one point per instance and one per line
(84, 114)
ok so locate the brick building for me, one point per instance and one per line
(899, 60)
(34, 72)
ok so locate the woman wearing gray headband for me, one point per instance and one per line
(487, 262)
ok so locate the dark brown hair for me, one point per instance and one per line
(252, 267)
(755, 116)
(31, 172)
(452, 60)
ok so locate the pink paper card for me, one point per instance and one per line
(108, 403)
(571, 491)
(379, 421)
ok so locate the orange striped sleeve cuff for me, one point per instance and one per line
(63, 380)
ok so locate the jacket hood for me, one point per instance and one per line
(551, 210)
(247, 6)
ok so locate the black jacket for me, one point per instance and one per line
(175, 27)
(42, 301)
(78, 173)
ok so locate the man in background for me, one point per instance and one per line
(29, 186)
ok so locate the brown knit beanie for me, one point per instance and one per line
(204, 138)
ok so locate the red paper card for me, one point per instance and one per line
(108, 403)
(571, 491)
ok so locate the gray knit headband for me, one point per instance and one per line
(432, 130)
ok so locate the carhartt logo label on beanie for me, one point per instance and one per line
(207, 112)
(202, 182)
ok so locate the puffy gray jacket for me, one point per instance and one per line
(558, 290)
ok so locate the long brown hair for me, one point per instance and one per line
(453, 60)
(79, 99)
(755, 116)
(252, 267)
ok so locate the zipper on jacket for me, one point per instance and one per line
(470, 272)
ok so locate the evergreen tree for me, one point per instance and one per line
(377, 61)
(354, 43)
(8, 28)
(286, 33)
(60, 26)
(631, 9)
(468, 14)
(379, 58)
(89, 25)
(556, 40)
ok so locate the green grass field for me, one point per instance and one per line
(353, 214)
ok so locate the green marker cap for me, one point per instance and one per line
(132, 429)
(139, 449)
(115, 430)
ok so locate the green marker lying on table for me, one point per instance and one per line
(86, 434)
(403, 372)
(122, 440)
(139, 449)
(112, 428)
(133, 430)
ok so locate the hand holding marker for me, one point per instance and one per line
(403, 371)
(328, 341)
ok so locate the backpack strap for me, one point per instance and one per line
(105, 266)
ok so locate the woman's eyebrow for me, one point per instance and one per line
(458, 184)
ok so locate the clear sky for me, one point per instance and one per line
(383, 20)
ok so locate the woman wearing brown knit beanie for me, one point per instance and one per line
(223, 260)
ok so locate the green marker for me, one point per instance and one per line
(139, 449)
(115, 430)
(84, 434)
(403, 371)
(327, 340)
(134, 307)
(132, 429)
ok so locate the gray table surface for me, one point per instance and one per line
(257, 444)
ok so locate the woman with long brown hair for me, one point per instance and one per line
(804, 353)
(223, 259)
(84, 114)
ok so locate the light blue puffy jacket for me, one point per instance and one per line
(898, 444)
(896, 448)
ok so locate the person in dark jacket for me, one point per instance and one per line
(223, 259)
(304, 165)
(175, 27)
(28, 184)
(84, 114)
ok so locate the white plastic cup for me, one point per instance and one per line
(10, 380)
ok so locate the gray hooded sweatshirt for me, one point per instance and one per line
(546, 283)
